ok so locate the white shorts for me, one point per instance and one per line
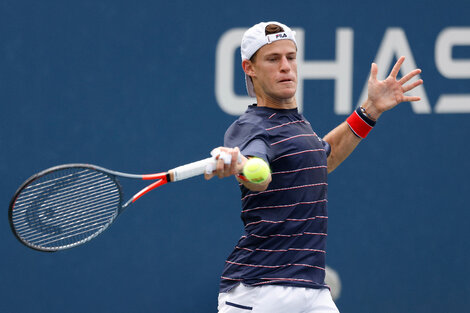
(276, 299)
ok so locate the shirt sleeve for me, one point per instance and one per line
(327, 147)
(252, 140)
(256, 148)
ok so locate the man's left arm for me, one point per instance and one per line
(382, 96)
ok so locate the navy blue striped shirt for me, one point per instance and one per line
(286, 225)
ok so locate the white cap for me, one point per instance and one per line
(255, 38)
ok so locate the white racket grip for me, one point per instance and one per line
(192, 169)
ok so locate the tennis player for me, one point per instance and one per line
(278, 265)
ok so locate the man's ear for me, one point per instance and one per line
(248, 68)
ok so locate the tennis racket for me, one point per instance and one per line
(68, 205)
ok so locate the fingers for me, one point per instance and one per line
(409, 76)
(227, 162)
(395, 71)
(412, 85)
(221, 168)
(410, 99)
(208, 176)
(373, 71)
(396, 67)
(234, 161)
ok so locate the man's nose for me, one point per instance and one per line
(285, 65)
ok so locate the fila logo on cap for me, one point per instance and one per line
(278, 36)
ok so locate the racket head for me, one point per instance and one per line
(64, 206)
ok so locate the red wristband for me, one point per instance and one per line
(358, 124)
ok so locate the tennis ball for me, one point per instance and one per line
(256, 170)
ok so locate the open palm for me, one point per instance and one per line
(386, 94)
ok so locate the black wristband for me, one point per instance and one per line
(362, 113)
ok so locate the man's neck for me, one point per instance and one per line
(276, 103)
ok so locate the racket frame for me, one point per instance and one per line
(176, 174)
(30, 180)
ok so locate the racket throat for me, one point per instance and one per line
(158, 183)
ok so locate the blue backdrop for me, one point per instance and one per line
(136, 87)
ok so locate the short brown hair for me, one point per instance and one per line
(273, 29)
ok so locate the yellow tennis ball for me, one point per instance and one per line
(256, 170)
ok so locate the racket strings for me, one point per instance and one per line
(79, 220)
(66, 211)
(62, 206)
(66, 207)
(82, 179)
(76, 223)
(70, 195)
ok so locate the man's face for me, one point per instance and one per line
(275, 70)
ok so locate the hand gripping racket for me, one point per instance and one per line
(67, 205)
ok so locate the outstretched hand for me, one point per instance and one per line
(386, 94)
